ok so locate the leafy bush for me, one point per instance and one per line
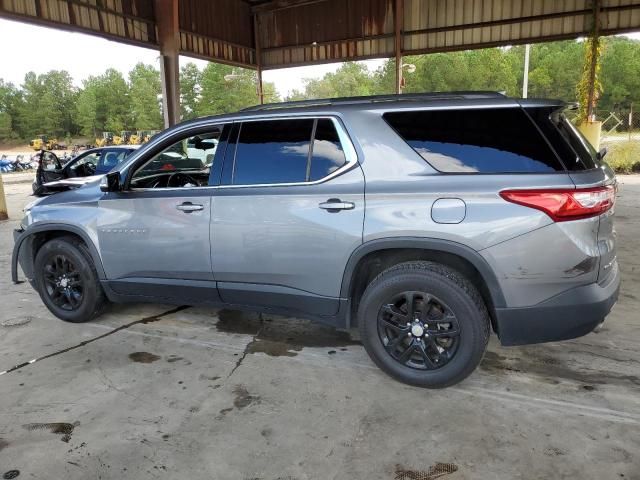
(624, 156)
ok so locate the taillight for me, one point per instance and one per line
(565, 204)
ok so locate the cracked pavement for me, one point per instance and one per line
(155, 391)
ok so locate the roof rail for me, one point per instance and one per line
(409, 97)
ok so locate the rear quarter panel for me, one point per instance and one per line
(533, 258)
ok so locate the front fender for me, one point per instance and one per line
(21, 236)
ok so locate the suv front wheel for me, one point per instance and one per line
(424, 324)
(67, 281)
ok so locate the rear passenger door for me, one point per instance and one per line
(288, 214)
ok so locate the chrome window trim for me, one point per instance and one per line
(348, 148)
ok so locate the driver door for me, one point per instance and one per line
(154, 237)
(49, 168)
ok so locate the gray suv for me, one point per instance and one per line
(427, 221)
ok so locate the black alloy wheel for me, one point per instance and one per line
(419, 330)
(63, 283)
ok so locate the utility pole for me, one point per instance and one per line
(525, 80)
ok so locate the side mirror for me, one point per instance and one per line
(110, 182)
(603, 151)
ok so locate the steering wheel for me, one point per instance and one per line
(179, 179)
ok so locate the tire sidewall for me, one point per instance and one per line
(471, 344)
(90, 294)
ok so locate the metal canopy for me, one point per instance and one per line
(264, 34)
(268, 34)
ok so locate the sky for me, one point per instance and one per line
(83, 55)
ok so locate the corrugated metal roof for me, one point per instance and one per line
(299, 32)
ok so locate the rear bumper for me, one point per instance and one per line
(570, 314)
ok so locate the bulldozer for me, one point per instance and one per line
(46, 143)
(106, 140)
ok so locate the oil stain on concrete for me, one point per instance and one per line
(280, 337)
(553, 370)
(143, 357)
(242, 400)
(58, 428)
(435, 471)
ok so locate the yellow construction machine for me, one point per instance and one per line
(106, 140)
(44, 142)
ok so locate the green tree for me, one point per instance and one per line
(47, 104)
(236, 91)
(87, 107)
(144, 81)
(620, 74)
(10, 98)
(350, 80)
(189, 90)
(104, 104)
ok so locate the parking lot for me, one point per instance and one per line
(155, 391)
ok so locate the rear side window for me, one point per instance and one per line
(327, 155)
(496, 140)
(274, 151)
(286, 151)
(575, 151)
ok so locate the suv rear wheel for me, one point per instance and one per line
(424, 324)
(67, 281)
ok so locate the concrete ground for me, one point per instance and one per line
(197, 393)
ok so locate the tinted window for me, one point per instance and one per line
(327, 155)
(574, 150)
(497, 140)
(274, 151)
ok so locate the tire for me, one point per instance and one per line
(66, 262)
(447, 313)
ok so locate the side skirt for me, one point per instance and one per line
(254, 298)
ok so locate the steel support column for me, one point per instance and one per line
(169, 40)
(256, 36)
(398, 16)
(4, 214)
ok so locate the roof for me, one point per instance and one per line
(279, 33)
(372, 99)
(378, 102)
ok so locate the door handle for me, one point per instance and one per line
(335, 205)
(188, 207)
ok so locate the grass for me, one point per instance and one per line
(624, 156)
